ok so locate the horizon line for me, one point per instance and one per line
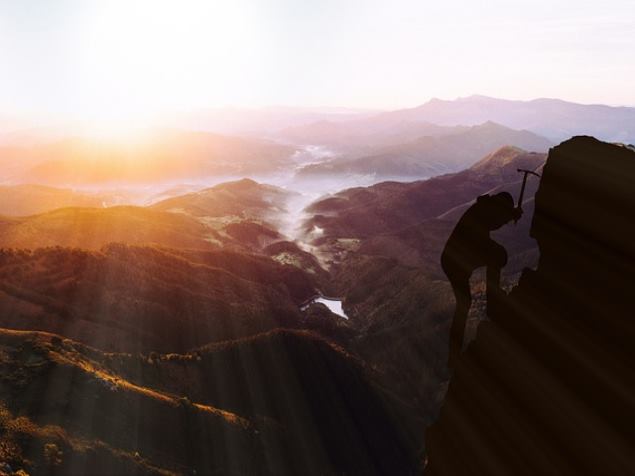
(65, 117)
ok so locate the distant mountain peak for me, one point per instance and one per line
(554, 119)
(489, 125)
(498, 158)
(472, 98)
(477, 97)
(244, 182)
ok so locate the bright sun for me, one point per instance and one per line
(116, 131)
(142, 58)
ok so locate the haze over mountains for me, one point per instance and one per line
(262, 122)
(22, 200)
(437, 137)
(432, 155)
(162, 156)
(552, 118)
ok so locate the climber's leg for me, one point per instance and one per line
(463, 296)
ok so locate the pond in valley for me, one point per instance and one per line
(334, 305)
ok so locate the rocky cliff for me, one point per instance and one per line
(547, 386)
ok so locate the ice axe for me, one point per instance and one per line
(525, 173)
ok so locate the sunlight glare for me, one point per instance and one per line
(143, 58)
(115, 131)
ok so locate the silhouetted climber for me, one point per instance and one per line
(470, 247)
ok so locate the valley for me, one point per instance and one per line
(153, 300)
(275, 300)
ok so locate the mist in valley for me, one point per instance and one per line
(195, 271)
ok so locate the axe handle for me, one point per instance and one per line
(522, 191)
(522, 188)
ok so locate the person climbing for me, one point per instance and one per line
(470, 247)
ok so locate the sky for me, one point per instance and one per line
(113, 59)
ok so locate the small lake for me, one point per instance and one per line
(334, 305)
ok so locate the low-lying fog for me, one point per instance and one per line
(306, 189)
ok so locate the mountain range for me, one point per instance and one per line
(439, 136)
(554, 119)
(182, 335)
(432, 155)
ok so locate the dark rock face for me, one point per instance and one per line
(547, 387)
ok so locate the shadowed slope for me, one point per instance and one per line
(145, 298)
(68, 396)
(310, 409)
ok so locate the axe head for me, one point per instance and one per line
(525, 171)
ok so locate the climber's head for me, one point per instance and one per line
(504, 199)
(498, 209)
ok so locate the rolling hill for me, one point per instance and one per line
(141, 298)
(243, 198)
(243, 212)
(242, 215)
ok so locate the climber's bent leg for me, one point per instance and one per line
(462, 293)
(497, 258)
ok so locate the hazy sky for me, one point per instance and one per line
(111, 59)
